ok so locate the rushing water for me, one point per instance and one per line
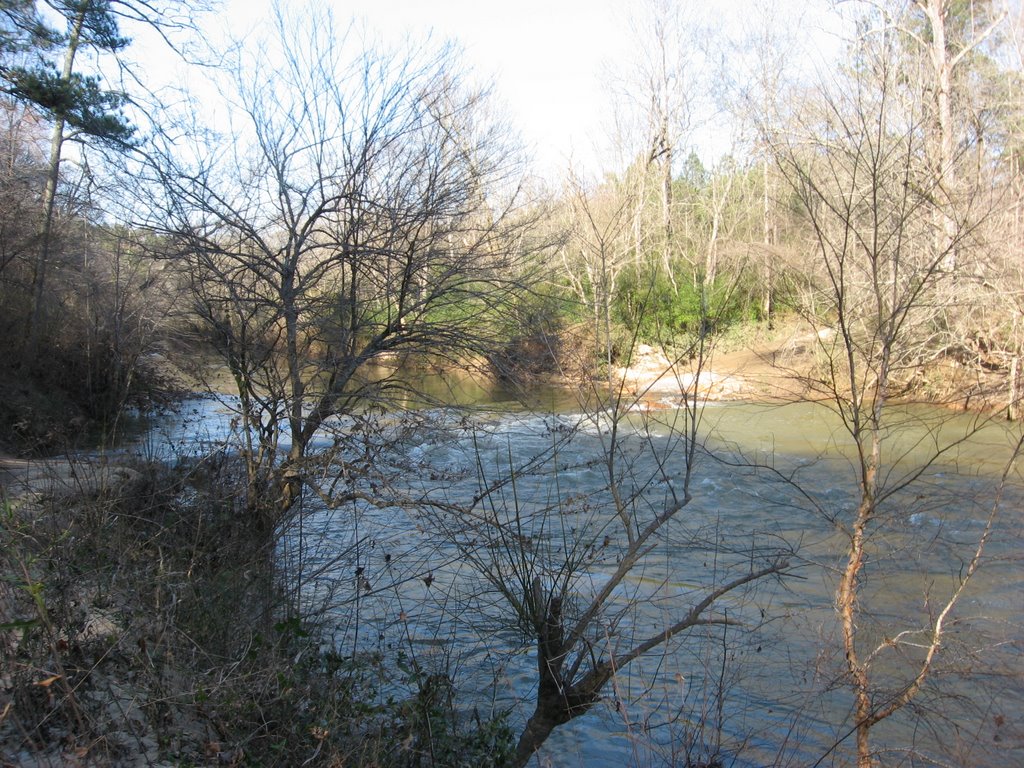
(410, 581)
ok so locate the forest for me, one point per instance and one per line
(333, 432)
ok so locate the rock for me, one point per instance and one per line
(651, 375)
(99, 626)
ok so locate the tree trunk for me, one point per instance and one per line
(35, 320)
(943, 140)
(1013, 409)
(942, 159)
(846, 605)
(768, 232)
(548, 715)
(666, 205)
(558, 700)
(718, 202)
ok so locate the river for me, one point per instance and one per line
(409, 583)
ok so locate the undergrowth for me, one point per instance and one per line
(141, 623)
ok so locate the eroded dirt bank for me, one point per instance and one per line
(791, 363)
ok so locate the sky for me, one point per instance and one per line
(549, 60)
(545, 58)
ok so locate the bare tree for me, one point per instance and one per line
(759, 77)
(43, 67)
(365, 209)
(859, 165)
(577, 540)
(579, 567)
(718, 192)
(596, 250)
(75, 102)
(658, 99)
(22, 166)
(949, 37)
(1013, 230)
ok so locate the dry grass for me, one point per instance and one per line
(142, 625)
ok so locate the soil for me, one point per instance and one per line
(777, 365)
(786, 364)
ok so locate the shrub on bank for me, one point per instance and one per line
(141, 621)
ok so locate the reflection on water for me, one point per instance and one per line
(466, 388)
(414, 578)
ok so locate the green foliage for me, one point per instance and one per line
(458, 310)
(22, 29)
(78, 99)
(99, 22)
(647, 301)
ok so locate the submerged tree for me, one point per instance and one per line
(592, 542)
(581, 545)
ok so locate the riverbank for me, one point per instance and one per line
(144, 622)
(789, 364)
(110, 604)
(140, 624)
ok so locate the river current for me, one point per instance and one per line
(416, 582)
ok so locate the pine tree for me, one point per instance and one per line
(77, 104)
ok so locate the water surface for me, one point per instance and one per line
(411, 581)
